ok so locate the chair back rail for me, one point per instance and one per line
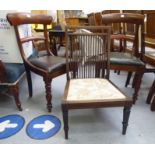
(123, 18)
(28, 18)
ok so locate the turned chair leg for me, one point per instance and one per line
(65, 120)
(126, 114)
(15, 92)
(29, 81)
(48, 92)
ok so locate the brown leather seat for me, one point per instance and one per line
(49, 63)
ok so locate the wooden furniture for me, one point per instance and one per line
(149, 29)
(127, 60)
(88, 84)
(149, 38)
(76, 21)
(10, 76)
(150, 59)
(91, 19)
(47, 65)
(54, 35)
(98, 18)
(151, 98)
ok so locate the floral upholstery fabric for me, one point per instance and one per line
(92, 89)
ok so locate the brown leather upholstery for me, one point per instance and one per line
(49, 63)
(125, 59)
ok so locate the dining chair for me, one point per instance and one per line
(10, 76)
(88, 68)
(45, 63)
(129, 57)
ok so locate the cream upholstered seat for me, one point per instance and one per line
(88, 84)
(92, 89)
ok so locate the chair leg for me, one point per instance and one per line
(29, 81)
(134, 80)
(15, 92)
(126, 114)
(48, 92)
(137, 84)
(128, 79)
(118, 72)
(153, 104)
(65, 120)
(151, 92)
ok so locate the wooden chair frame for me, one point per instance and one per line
(138, 21)
(48, 66)
(101, 68)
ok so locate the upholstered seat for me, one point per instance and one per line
(92, 89)
(13, 71)
(49, 63)
(125, 58)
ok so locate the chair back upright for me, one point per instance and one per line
(87, 52)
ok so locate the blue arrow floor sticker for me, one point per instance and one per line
(10, 125)
(43, 127)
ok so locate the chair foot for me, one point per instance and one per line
(20, 108)
(15, 92)
(65, 120)
(126, 114)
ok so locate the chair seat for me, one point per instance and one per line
(92, 89)
(49, 63)
(13, 71)
(124, 59)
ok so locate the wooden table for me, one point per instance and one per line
(53, 36)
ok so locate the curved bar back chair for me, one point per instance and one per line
(127, 58)
(46, 65)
